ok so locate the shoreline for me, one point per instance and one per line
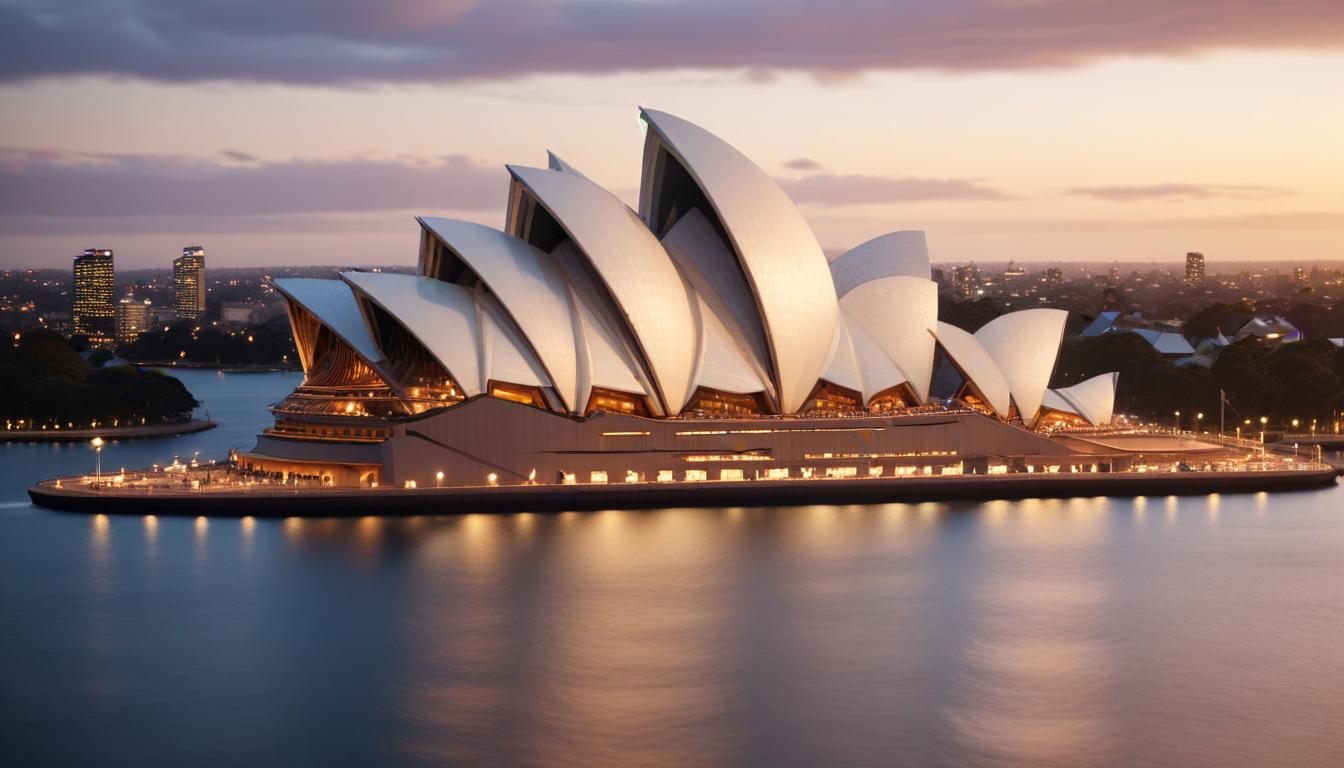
(281, 501)
(142, 432)
(261, 368)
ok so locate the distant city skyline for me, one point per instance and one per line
(1101, 131)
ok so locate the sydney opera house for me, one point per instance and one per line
(704, 337)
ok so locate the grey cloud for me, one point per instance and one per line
(235, 155)
(352, 41)
(803, 164)
(71, 186)
(1172, 190)
(834, 190)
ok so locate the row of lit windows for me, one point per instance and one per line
(601, 476)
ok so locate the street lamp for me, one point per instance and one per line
(97, 443)
(1295, 423)
(1178, 421)
(438, 478)
(1199, 421)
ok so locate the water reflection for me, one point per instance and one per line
(1035, 688)
(1042, 632)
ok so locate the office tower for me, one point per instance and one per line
(94, 314)
(189, 283)
(1194, 268)
(133, 318)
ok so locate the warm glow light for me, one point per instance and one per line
(492, 478)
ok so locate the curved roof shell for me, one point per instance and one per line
(1055, 402)
(899, 313)
(531, 288)
(334, 305)
(1024, 345)
(606, 354)
(896, 253)
(777, 251)
(441, 316)
(976, 364)
(1094, 398)
(722, 365)
(505, 356)
(635, 270)
(710, 267)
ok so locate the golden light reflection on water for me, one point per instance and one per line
(618, 658)
(293, 529)
(1214, 503)
(1035, 681)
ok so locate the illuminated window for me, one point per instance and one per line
(694, 475)
(842, 471)
(875, 471)
(631, 476)
(597, 476)
(665, 476)
(777, 473)
(730, 474)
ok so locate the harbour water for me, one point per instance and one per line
(1155, 631)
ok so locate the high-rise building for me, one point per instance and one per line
(189, 283)
(94, 314)
(1194, 268)
(133, 318)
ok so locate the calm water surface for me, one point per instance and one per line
(1202, 631)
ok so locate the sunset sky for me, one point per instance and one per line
(299, 132)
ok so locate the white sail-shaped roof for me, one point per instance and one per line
(443, 317)
(876, 370)
(843, 368)
(858, 362)
(634, 268)
(555, 163)
(531, 288)
(899, 314)
(1024, 346)
(1053, 401)
(976, 364)
(505, 357)
(334, 306)
(711, 268)
(606, 358)
(722, 365)
(776, 249)
(892, 254)
(1094, 398)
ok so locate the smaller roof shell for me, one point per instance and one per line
(442, 316)
(334, 305)
(1024, 345)
(895, 253)
(976, 364)
(1094, 398)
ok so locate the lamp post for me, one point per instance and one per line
(438, 478)
(1199, 421)
(97, 443)
(1263, 421)
(1178, 422)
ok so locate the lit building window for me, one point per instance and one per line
(695, 475)
(597, 476)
